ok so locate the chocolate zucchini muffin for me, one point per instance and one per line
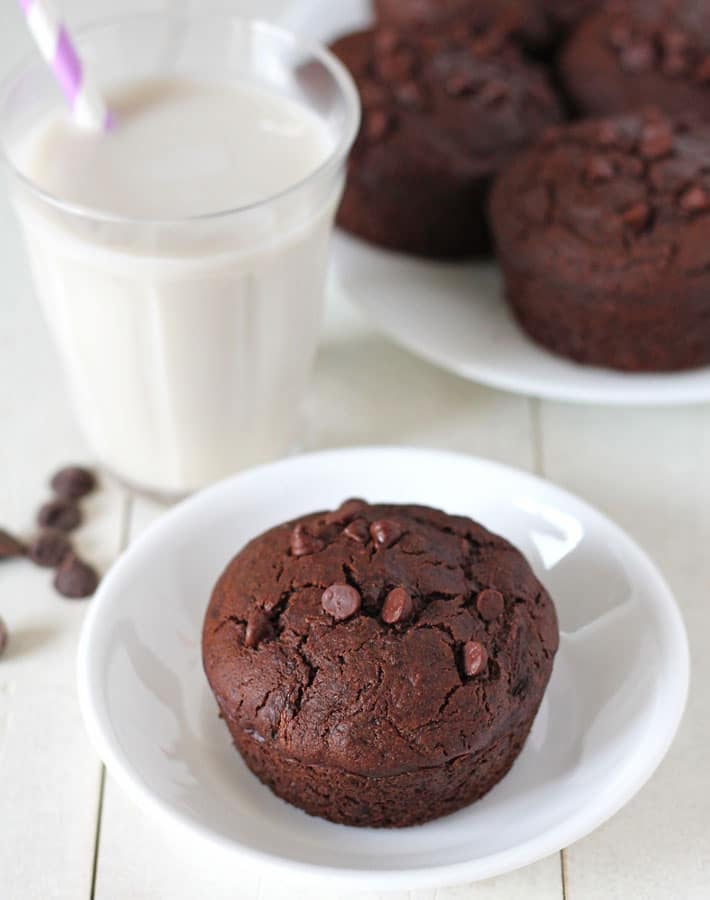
(441, 113)
(639, 52)
(523, 19)
(603, 235)
(379, 665)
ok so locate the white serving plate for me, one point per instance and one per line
(611, 710)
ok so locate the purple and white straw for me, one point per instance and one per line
(57, 48)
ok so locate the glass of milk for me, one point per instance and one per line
(180, 258)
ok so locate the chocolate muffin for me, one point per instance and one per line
(379, 665)
(639, 52)
(524, 19)
(441, 113)
(603, 235)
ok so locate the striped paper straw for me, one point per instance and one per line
(57, 48)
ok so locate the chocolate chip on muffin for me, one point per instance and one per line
(603, 235)
(631, 54)
(380, 684)
(442, 111)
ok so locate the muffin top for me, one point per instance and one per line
(379, 638)
(626, 199)
(640, 51)
(457, 103)
(521, 18)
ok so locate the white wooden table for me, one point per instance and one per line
(66, 831)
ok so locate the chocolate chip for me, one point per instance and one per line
(695, 199)
(258, 627)
(384, 532)
(60, 514)
(303, 543)
(377, 124)
(10, 546)
(702, 72)
(490, 604)
(599, 169)
(656, 140)
(386, 40)
(675, 41)
(619, 36)
(357, 531)
(75, 579)
(73, 482)
(347, 510)
(493, 92)
(4, 637)
(49, 548)
(636, 216)
(372, 94)
(607, 134)
(341, 601)
(398, 606)
(475, 658)
(674, 65)
(397, 66)
(637, 58)
(460, 83)
(409, 94)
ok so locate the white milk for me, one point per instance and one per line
(187, 343)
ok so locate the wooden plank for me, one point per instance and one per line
(648, 469)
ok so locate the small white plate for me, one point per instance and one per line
(454, 315)
(612, 707)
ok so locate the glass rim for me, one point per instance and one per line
(315, 50)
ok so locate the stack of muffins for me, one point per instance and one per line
(571, 135)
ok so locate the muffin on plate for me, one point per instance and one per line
(524, 19)
(638, 52)
(441, 113)
(380, 665)
(603, 235)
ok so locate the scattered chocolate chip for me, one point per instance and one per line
(10, 546)
(4, 637)
(637, 58)
(656, 140)
(258, 627)
(75, 579)
(475, 658)
(493, 92)
(598, 169)
(702, 72)
(398, 606)
(675, 41)
(695, 199)
(636, 216)
(49, 548)
(347, 510)
(61, 514)
(73, 482)
(490, 604)
(377, 124)
(341, 601)
(357, 531)
(303, 543)
(385, 532)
